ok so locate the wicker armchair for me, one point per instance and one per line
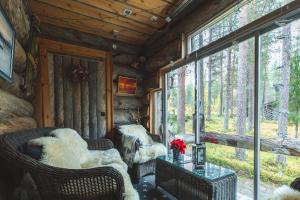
(138, 170)
(63, 184)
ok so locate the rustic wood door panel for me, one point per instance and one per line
(76, 104)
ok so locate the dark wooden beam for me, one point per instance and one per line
(88, 40)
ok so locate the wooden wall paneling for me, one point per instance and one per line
(85, 104)
(109, 96)
(59, 91)
(100, 95)
(68, 93)
(93, 99)
(76, 100)
(51, 87)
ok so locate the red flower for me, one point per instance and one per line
(178, 144)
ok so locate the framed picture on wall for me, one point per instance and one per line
(127, 86)
(7, 46)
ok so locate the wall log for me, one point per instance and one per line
(19, 58)
(16, 124)
(11, 106)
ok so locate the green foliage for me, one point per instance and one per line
(294, 98)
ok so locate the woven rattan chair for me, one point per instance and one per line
(138, 170)
(63, 184)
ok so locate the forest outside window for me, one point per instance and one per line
(238, 16)
(225, 85)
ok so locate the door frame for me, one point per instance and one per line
(42, 99)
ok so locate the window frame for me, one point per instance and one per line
(252, 30)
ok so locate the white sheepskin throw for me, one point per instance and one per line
(146, 153)
(73, 141)
(56, 154)
(113, 159)
(149, 150)
(138, 131)
(68, 150)
(286, 193)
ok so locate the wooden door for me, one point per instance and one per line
(78, 100)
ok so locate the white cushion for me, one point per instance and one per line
(286, 193)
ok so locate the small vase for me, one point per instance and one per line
(176, 154)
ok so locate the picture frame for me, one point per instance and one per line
(7, 46)
(127, 86)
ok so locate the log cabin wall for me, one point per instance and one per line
(16, 108)
(78, 104)
(128, 108)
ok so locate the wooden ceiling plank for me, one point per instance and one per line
(56, 13)
(72, 6)
(153, 7)
(118, 8)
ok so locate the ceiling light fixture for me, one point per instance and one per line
(154, 18)
(115, 35)
(127, 12)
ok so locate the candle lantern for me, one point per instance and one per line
(199, 154)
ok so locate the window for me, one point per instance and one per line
(235, 18)
(245, 91)
(181, 102)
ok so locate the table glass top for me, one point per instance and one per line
(209, 172)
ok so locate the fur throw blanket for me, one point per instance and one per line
(66, 149)
(149, 149)
(286, 193)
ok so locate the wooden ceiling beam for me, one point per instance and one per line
(101, 15)
(58, 15)
(117, 8)
(79, 28)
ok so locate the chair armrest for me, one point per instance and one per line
(100, 182)
(102, 144)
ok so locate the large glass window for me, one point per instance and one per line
(235, 18)
(280, 106)
(235, 108)
(228, 104)
(181, 104)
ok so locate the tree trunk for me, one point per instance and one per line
(250, 97)
(221, 85)
(296, 129)
(209, 66)
(181, 100)
(228, 88)
(241, 86)
(284, 89)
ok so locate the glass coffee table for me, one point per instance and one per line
(183, 181)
